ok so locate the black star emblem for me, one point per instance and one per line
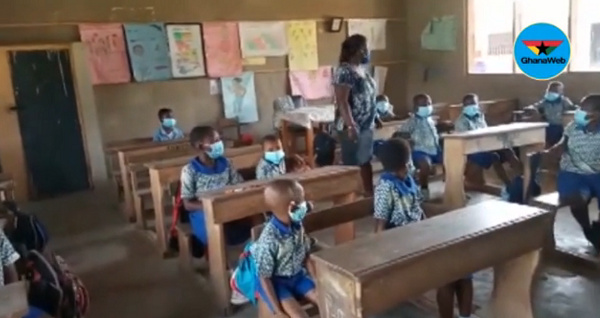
(542, 48)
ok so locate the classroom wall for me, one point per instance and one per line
(448, 79)
(129, 110)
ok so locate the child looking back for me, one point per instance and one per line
(273, 162)
(168, 127)
(551, 109)
(281, 252)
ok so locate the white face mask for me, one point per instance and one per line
(383, 107)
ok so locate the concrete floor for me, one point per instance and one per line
(127, 279)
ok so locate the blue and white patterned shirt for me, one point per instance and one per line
(395, 208)
(281, 249)
(553, 111)
(423, 134)
(361, 99)
(161, 135)
(194, 182)
(8, 255)
(464, 123)
(582, 152)
(266, 170)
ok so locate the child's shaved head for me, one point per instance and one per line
(280, 193)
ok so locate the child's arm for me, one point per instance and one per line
(189, 191)
(8, 258)
(383, 205)
(267, 285)
(234, 176)
(568, 104)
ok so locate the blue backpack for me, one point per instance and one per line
(26, 232)
(245, 280)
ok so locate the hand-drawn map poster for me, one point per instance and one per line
(312, 84)
(185, 46)
(222, 49)
(373, 29)
(302, 39)
(148, 51)
(263, 39)
(107, 56)
(239, 98)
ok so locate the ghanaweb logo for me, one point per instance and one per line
(542, 51)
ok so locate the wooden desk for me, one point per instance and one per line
(529, 137)
(340, 183)
(373, 274)
(13, 300)
(166, 173)
(388, 129)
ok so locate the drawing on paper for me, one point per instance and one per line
(148, 51)
(222, 49)
(373, 29)
(302, 39)
(107, 55)
(185, 46)
(312, 84)
(239, 97)
(259, 39)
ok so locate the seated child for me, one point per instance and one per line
(397, 203)
(168, 130)
(272, 164)
(471, 118)
(8, 258)
(578, 180)
(281, 251)
(551, 108)
(421, 130)
(384, 109)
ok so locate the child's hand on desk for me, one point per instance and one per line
(298, 164)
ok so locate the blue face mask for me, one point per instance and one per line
(169, 122)
(471, 110)
(274, 156)
(366, 59)
(299, 211)
(580, 118)
(425, 111)
(383, 107)
(217, 150)
(551, 96)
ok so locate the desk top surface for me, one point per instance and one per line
(495, 130)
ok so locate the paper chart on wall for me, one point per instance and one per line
(222, 49)
(185, 46)
(302, 41)
(107, 54)
(259, 39)
(440, 34)
(148, 51)
(312, 84)
(379, 75)
(373, 29)
(239, 97)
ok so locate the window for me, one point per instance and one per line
(493, 26)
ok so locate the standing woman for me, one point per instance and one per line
(355, 113)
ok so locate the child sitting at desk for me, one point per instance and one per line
(551, 108)
(397, 202)
(421, 131)
(281, 252)
(384, 109)
(471, 118)
(168, 130)
(578, 180)
(273, 163)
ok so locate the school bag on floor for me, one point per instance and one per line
(25, 232)
(53, 288)
(180, 215)
(515, 190)
(245, 278)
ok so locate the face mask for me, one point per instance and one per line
(274, 156)
(298, 212)
(169, 122)
(551, 96)
(425, 111)
(366, 59)
(383, 107)
(471, 110)
(580, 118)
(216, 150)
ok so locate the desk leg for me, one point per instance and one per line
(309, 142)
(454, 163)
(527, 173)
(159, 212)
(285, 137)
(128, 206)
(344, 232)
(511, 296)
(217, 259)
(137, 201)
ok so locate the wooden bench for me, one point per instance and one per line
(337, 183)
(530, 137)
(111, 150)
(370, 275)
(166, 173)
(7, 187)
(13, 300)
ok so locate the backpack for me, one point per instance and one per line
(515, 190)
(53, 288)
(180, 214)
(324, 149)
(245, 277)
(26, 232)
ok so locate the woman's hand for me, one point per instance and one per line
(352, 131)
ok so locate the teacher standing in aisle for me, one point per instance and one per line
(355, 107)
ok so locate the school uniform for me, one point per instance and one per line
(161, 135)
(425, 139)
(266, 169)
(197, 178)
(553, 113)
(280, 254)
(397, 201)
(8, 255)
(468, 123)
(580, 164)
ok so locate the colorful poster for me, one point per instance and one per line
(379, 75)
(185, 46)
(259, 39)
(148, 51)
(107, 56)
(373, 29)
(302, 39)
(222, 49)
(312, 84)
(239, 98)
